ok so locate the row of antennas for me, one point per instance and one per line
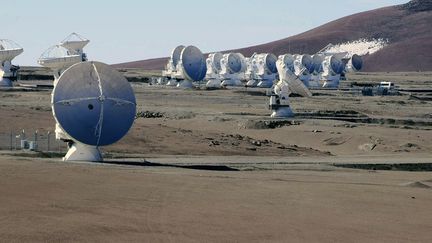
(233, 69)
(57, 57)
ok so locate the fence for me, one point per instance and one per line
(24, 140)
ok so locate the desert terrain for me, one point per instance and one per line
(212, 166)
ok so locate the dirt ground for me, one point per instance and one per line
(211, 166)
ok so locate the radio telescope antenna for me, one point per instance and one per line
(95, 106)
(303, 65)
(315, 79)
(192, 66)
(170, 71)
(214, 69)
(8, 51)
(59, 57)
(333, 67)
(288, 83)
(267, 70)
(233, 69)
(74, 43)
(354, 64)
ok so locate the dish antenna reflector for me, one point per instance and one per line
(171, 67)
(333, 67)
(303, 66)
(74, 43)
(95, 106)
(58, 59)
(214, 69)
(355, 63)
(175, 55)
(186, 64)
(304, 61)
(232, 62)
(315, 79)
(193, 66)
(288, 60)
(266, 69)
(233, 68)
(317, 60)
(8, 51)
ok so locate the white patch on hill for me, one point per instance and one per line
(360, 47)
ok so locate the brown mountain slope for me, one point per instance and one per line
(408, 28)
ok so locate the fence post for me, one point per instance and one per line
(16, 139)
(11, 147)
(48, 140)
(35, 140)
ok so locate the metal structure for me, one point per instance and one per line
(8, 51)
(233, 69)
(171, 68)
(191, 67)
(95, 106)
(59, 57)
(315, 79)
(330, 67)
(75, 44)
(288, 83)
(354, 64)
(333, 67)
(265, 69)
(214, 69)
(186, 65)
(303, 67)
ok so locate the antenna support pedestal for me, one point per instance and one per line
(213, 83)
(185, 84)
(5, 82)
(279, 110)
(81, 152)
(282, 112)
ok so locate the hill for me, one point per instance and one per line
(407, 28)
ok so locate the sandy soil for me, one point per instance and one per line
(53, 201)
(214, 167)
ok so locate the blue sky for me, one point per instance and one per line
(129, 30)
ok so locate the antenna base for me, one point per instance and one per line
(265, 84)
(213, 83)
(5, 82)
(232, 82)
(282, 112)
(185, 84)
(81, 152)
(252, 83)
(332, 81)
(172, 82)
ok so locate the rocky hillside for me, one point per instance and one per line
(407, 27)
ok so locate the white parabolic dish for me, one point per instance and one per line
(93, 103)
(58, 57)
(74, 42)
(9, 50)
(175, 54)
(194, 63)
